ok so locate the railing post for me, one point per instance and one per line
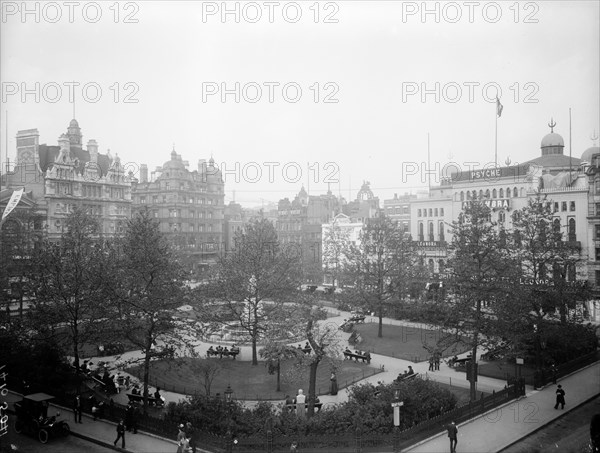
(357, 440)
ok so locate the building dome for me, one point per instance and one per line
(73, 123)
(588, 153)
(552, 139)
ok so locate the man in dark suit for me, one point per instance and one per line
(560, 397)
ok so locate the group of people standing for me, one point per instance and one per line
(434, 362)
(185, 439)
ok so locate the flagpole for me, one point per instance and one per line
(496, 137)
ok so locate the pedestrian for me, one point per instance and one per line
(180, 438)
(437, 361)
(134, 418)
(431, 363)
(300, 404)
(453, 436)
(560, 397)
(554, 372)
(129, 417)
(334, 384)
(120, 434)
(190, 436)
(77, 409)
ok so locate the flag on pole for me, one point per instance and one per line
(499, 108)
(13, 202)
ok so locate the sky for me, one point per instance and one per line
(315, 94)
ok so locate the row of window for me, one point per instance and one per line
(398, 210)
(430, 232)
(494, 193)
(166, 185)
(186, 200)
(189, 228)
(192, 214)
(433, 212)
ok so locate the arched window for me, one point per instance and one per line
(431, 237)
(430, 212)
(501, 217)
(441, 231)
(508, 192)
(435, 214)
(481, 194)
(515, 193)
(494, 194)
(421, 233)
(556, 229)
(418, 213)
(501, 194)
(468, 195)
(487, 193)
(462, 196)
(474, 196)
(572, 235)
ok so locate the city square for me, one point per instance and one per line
(300, 227)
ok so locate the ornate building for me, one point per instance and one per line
(60, 177)
(189, 206)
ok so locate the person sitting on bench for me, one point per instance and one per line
(410, 371)
(210, 350)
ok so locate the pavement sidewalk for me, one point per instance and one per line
(503, 426)
(104, 432)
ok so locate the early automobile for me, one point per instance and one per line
(32, 417)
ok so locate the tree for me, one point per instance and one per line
(374, 264)
(69, 281)
(256, 279)
(335, 249)
(274, 353)
(480, 269)
(548, 270)
(149, 287)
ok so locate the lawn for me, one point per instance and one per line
(247, 381)
(408, 343)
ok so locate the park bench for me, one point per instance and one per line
(292, 407)
(364, 357)
(407, 378)
(140, 399)
(456, 363)
(358, 318)
(214, 353)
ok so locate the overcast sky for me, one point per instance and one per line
(373, 58)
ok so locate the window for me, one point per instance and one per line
(431, 237)
(166, 186)
(418, 213)
(501, 217)
(430, 212)
(494, 193)
(441, 231)
(462, 196)
(572, 234)
(155, 199)
(442, 212)
(597, 254)
(422, 235)
(405, 209)
(143, 200)
(487, 193)
(564, 206)
(436, 212)
(597, 278)
(501, 193)
(508, 192)
(556, 206)
(572, 206)
(556, 229)
(597, 230)
(481, 194)
(571, 272)
(515, 193)
(164, 199)
(468, 195)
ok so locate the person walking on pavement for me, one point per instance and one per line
(190, 436)
(334, 384)
(437, 361)
(120, 434)
(453, 436)
(77, 409)
(560, 397)
(180, 439)
(431, 363)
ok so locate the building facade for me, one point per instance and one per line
(188, 206)
(61, 177)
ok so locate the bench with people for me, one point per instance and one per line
(455, 362)
(290, 404)
(306, 349)
(357, 318)
(221, 351)
(357, 355)
(407, 375)
(136, 397)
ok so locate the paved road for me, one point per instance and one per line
(29, 444)
(568, 434)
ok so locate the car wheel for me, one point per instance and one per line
(43, 436)
(19, 427)
(66, 429)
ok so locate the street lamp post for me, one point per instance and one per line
(396, 405)
(228, 393)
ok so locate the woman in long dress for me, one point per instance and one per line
(334, 384)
